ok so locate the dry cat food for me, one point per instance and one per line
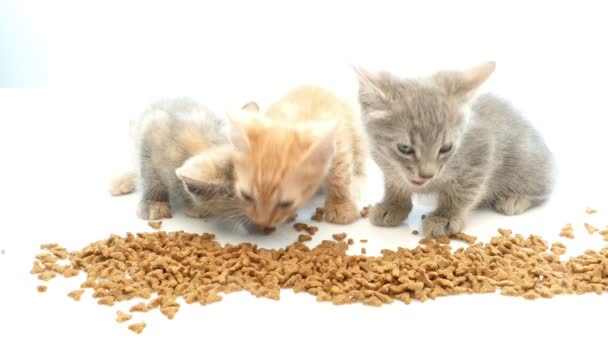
(363, 250)
(41, 288)
(591, 229)
(312, 230)
(363, 240)
(76, 294)
(590, 210)
(318, 215)
(304, 237)
(351, 242)
(137, 327)
(339, 237)
(300, 226)
(122, 317)
(155, 224)
(415, 232)
(464, 237)
(365, 211)
(567, 231)
(156, 268)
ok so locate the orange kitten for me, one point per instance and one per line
(305, 139)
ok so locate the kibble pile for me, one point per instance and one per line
(159, 267)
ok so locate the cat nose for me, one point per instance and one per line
(426, 175)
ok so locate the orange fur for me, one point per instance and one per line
(307, 137)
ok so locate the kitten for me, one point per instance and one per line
(184, 155)
(433, 135)
(307, 138)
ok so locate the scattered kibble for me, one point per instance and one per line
(76, 294)
(464, 237)
(339, 237)
(311, 230)
(304, 237)
(415, 232)
(363, 240)
(567, 231)
(41, 288)
(590, 210)
(351, 242)
(300, 226)
(318, 215)
(155, 224)
(137, 327)
(122, 317)
(590, 229)
(363, 250)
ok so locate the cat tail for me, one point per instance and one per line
(123, 184)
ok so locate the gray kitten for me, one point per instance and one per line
(184, 155)
(432, 135)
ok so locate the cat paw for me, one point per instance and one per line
(343, 213)
(196, 212)
(435, 226)
(152, 210)
(513, 205)
(389, 214)
(122, 185)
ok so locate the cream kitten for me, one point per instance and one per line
(183, 154)
(307, 138)
(433, 135)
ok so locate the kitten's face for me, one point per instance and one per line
(418, 135)
(278, 168)
(416, 125)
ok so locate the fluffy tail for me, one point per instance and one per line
(123, 184)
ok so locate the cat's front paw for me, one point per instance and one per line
(389, 214)
(153, 210)
(436, 226)
(342, 213)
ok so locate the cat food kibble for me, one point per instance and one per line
(156, 270)
(318, 215)
(300, 226)
(122, 317)
(591, 229)
(76, 294)
(339, 237)
(155, 224)
(351, 242)
(365, 211)
(464, 237)
(137, 327)
(269, 230)
(304, 237)
(311, 230)
(363, 240)
(41, 288)
(567, 231)
(590, 210)
(415, 232)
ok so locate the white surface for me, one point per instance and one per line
(61, 146)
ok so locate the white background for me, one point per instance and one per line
(102, 62)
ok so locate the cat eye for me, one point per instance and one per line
(285, 204)
(405, 149)
(445, 148)
(246, 196)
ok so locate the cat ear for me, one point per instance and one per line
(238, 134)
(206, 171)
(323, 147)
(251, 107)
(463, 84)
(372, 97)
